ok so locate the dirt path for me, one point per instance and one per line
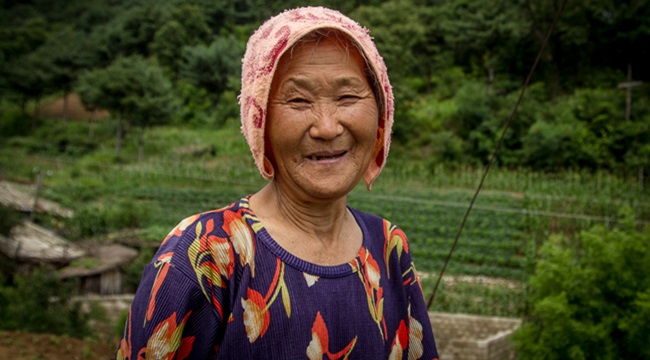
(76, 110)
(25, 346)
(484, 280)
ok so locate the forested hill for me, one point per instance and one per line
(456, 66)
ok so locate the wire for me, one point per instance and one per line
(496, 150)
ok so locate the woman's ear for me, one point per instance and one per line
(268, 166)
(268, 155)
(378, 151)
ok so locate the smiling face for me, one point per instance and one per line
(322, 120)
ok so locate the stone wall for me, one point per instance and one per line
(114, 305)
(469, 337)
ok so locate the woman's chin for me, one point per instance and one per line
(328, 187)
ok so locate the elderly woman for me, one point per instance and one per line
(291, 271)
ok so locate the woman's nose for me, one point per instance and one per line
(326, 124)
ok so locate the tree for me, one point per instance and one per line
(104, 88)
(211, 67)
(620, 32)
(26, 77)
(592, 39)
(92, 13)
(398, 31)
(590, 296)
(481, 31)
(219, 15)
(557, 140)
(151, 100)
(187, 27)
(194, 23)
(19, 40)
(399, 34)
(18, 74)
(61, 58)
(134, 29)
(131, 87)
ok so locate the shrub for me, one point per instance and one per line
(96, 220)
(134, 269)
(118, 329)
(559, 140)
(8, 219)
(446, 148)
(590, 297)
(40, 302)
(13, 121)
(58, 138)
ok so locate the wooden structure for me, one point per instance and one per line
(101, 271)
(31, 243)
(23, 198)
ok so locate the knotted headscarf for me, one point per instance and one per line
(263, 52)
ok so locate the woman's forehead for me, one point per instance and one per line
(315, 64)
(325, 51)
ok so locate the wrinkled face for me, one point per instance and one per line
(322, 120)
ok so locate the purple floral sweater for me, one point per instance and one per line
(221, 288)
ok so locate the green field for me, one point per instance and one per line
(515, 212)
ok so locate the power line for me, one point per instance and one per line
(496, 149)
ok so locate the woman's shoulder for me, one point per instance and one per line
(199, 225)
(373, 222)
(383, 237)
(366, 216)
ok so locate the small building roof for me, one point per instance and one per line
(100, 258)
(21, 198)
(31, 242)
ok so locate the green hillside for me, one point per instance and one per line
(572, 169)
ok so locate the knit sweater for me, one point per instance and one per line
(220, 287)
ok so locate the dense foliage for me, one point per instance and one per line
(8, 219)
(39, 302)
(456, 67)
(590, 297)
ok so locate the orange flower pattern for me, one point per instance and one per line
(256, 308)
(221, 287)
(400, 342)
(394, 239)
(416, 335)
(319, 344)
(167, 342)
(368, 270)
(163, 266)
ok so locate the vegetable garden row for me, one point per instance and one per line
(498, 240)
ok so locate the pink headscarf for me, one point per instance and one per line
(263, 52)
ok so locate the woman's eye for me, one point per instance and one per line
(348, 98)
(298, 101)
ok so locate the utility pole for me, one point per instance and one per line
(641, 177)
(628, 85)
(39, 185)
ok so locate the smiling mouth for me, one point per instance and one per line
(326, 156)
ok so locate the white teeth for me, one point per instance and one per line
(322, 157)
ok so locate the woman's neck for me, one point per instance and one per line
(322, 232)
